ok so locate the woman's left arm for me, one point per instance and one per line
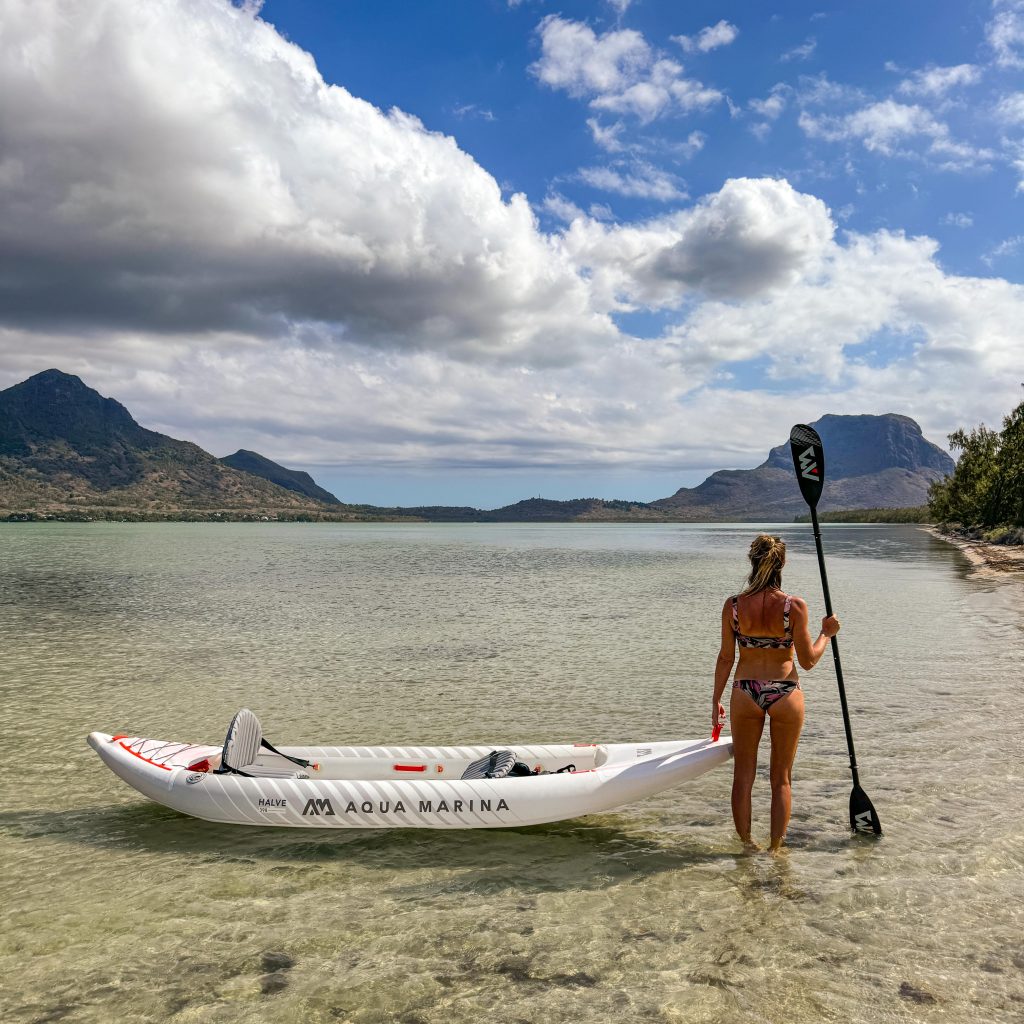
(723, 666)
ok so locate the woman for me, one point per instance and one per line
(768, 626)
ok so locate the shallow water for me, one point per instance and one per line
(117, 909)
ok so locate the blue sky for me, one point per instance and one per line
(464, 68)
(472, 252)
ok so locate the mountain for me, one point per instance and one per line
(64, 447)
(870, 462)
(291, 479)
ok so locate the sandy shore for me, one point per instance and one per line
(988, 559)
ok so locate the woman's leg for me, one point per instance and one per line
(787, 719)
(747, 722)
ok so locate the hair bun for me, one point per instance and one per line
(767, 557)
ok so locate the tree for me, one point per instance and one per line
(1010, 470)
(986, 489)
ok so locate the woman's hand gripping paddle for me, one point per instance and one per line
(809, 461)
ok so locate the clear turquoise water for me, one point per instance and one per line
(117, 909)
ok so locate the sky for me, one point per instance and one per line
(474, 251)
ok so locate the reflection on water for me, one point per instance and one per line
(115, 908)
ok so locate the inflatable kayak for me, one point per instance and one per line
(247, 781)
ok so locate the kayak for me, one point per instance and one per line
(473, 786)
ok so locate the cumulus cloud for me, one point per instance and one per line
(937, 81)
(886, 126)
(958, 220)
(770, 108)
(879, 282)
(251, 195)
(690, 146)
(751, 236)
(616, 71)
(773, 104)
(473, 110)
(1007, 247)
(1011, 108)
(606, 136)
(563, 209)
(638, 179)
(1005, 33)
(722, 33)
(802, 52)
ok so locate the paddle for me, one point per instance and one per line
(809, 461)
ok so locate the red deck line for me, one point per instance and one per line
(125, 746)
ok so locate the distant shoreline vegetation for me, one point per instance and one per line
(913, 514)
(100, 515)
(983, 499)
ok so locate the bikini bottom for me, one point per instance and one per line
(765, 692)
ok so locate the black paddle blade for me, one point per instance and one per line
(809, 462)
(863, 817)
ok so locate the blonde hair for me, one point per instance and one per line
(767, 557)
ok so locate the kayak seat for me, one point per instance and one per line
(242, 746)
(495, 765)
(242, 743)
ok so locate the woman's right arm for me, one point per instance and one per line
(723, 665)
(809, 652)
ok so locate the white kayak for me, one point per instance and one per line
(253, 783)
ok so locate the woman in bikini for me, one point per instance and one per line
(766, 682)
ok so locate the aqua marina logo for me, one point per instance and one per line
(318, 805)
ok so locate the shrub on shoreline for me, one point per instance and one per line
(910, 514)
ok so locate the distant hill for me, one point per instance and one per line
(541, 510)
(64, 447)
(870, 462)
(291, 479)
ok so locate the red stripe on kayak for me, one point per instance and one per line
(410, 767)
(124, 746)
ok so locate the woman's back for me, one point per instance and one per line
(762, 625)
(762, 616)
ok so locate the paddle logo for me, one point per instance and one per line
(808, 464)
(863, 821)
(316, 805)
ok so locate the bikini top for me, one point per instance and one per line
(778, 643)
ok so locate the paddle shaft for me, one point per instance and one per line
(835, 647)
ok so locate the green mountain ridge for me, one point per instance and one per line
(64, 449)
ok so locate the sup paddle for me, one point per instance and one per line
(809, 461)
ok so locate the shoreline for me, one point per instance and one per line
(995, 561)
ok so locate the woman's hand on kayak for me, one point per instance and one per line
(717, 716)
(829, 626)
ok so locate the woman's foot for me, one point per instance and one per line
(750, 846)
(776, 849)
